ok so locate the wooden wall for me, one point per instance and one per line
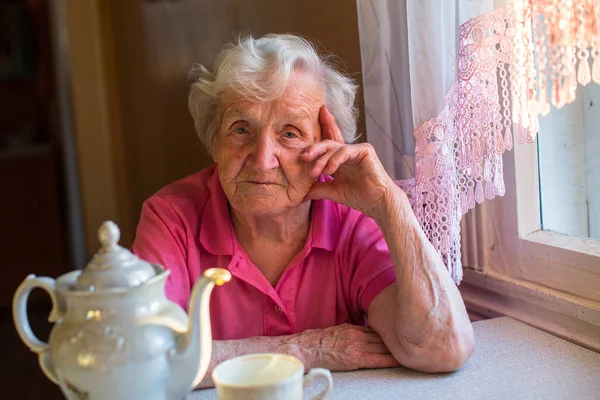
(149, 47)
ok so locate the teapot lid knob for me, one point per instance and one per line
(113, 266)
(109, 235)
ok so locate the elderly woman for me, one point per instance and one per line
(328, 260)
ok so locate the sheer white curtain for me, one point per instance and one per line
(450, 85)
(409, 52)
(383, 31)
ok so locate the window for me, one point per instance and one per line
(569, 166)
(558, 206)
(534, 254)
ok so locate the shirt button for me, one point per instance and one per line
(278, 309)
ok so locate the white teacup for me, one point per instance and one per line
(265, 376)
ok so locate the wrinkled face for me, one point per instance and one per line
(257, 148)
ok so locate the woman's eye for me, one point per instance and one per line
(290, 135)
(242, 130)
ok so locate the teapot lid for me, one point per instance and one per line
(113, 266)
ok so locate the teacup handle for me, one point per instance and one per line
(315, 372)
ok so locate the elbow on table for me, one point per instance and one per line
(457, 356)
(447, 355)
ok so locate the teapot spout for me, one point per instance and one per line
(194, 348)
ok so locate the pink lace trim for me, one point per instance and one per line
(507, 58)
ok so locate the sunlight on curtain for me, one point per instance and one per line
(409, 55)
(473, 70)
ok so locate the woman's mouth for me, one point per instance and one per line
(262, 183)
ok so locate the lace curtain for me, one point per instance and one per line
(459, 79)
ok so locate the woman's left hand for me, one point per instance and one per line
(359, 179)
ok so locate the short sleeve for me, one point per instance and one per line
(368, 259)
(160, 240)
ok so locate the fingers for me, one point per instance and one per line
(338, 158)
(324, 150)
(373, 348)
(321, 163)
(349, 347)
(367, 355)
(366, 334)
(359, 333)
(322, 190)
(318, 149)
(329, 128)
(330, 158)
(379, 361)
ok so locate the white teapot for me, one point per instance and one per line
(116, 335)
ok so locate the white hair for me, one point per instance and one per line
(259, 70)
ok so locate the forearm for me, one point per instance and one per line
(342, 347)
(430, 320)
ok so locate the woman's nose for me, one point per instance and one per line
(264, 153)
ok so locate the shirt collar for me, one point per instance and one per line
(216, 229)
(325, 222)
(324, 226)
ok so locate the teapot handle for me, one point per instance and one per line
(21, 320)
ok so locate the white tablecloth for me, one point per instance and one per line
(511, 361)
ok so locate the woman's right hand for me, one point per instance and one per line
(339, 348)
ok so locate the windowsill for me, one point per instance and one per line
(583, 246)
(567, 316)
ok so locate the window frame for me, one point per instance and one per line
(512, 267)
(558, 261)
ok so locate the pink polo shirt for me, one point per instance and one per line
(344, 264)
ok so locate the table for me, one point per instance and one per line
(511, 360)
